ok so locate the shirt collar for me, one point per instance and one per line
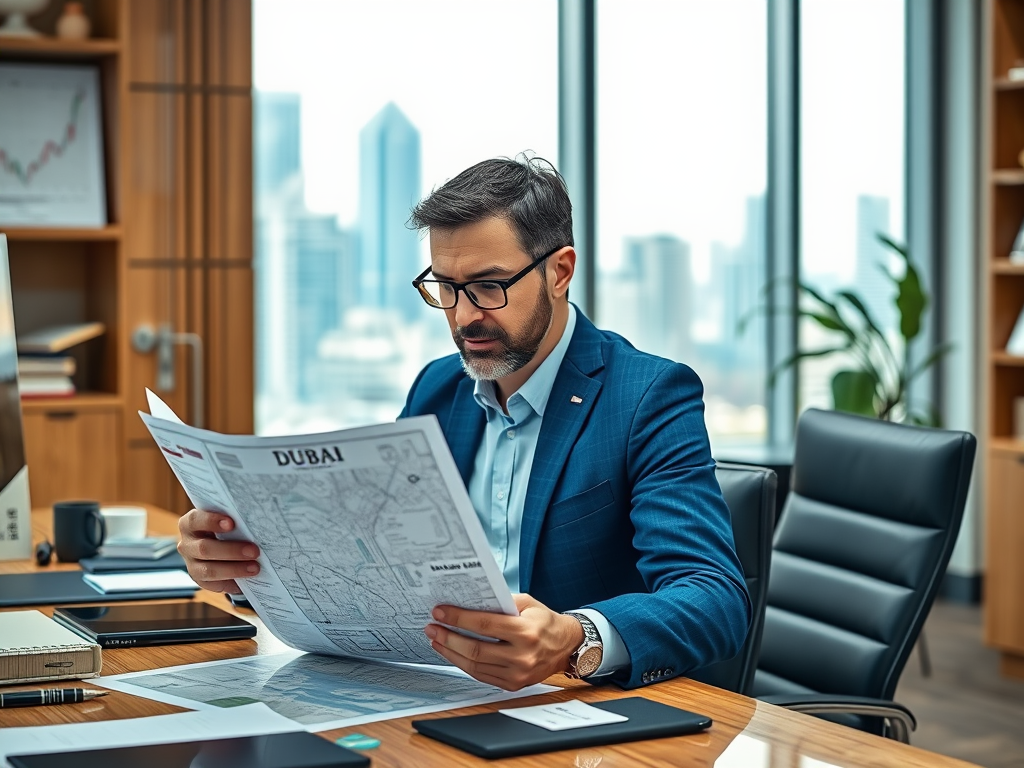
(536, 390)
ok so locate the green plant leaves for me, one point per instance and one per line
(854, 392)
(911, 302)
(880, 369)
(911, 299)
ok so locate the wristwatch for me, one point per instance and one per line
(586, 659)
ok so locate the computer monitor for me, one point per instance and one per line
(16, 522)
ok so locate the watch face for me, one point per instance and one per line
(589, 661)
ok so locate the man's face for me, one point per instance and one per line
(494, 343)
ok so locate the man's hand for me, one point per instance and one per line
(212, 563)
(533, 645)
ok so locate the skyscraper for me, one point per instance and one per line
(389, 186)
(872, 285)
(742, 278)
(276, 127)
(660, 265)
(306, 265)
(277, 176)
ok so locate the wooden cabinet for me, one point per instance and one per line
(1002, 304)
(176, 252)
(73, 453)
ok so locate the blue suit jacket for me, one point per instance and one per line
(623, 512)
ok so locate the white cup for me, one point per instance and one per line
(125, 522)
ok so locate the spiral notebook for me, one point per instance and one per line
(34, 648)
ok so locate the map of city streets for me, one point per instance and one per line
(367, 551)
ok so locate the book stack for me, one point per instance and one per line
(45, 369)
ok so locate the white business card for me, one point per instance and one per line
(564, 715)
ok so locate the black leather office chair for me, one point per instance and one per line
(750, 495)
(857, 559)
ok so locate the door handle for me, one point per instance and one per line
(146, 338)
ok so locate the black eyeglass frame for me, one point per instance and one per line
(457, 287)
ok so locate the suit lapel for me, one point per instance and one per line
(465, 429)
(572, 398)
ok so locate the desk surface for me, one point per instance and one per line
(775, 737)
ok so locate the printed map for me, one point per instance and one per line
(366, 552)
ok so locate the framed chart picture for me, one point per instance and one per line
(51, 146)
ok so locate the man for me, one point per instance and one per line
(587, 461)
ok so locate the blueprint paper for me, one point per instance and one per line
(362, 532)
(318, 692)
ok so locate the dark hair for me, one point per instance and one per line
(527, 191)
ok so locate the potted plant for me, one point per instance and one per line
(878, 380)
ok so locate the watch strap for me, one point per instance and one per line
(590, 633)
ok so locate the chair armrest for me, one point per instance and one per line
(899, 719)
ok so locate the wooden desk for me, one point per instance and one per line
(786, 739)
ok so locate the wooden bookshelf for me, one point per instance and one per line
(1008, 176)
(52, 48)
(1005, 358)
(1005, 267)
(109, 233)
(1002, 461)
(1006, 84)
(175, 79)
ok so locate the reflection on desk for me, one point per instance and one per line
(771, 737)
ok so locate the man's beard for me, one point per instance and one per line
(511, 354)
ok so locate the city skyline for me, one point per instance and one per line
(340, 333)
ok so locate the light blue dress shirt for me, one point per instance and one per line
(501, 476)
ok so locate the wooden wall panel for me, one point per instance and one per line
(229, 178)
(157, 181)
(228, 54)
(149, 478)
(156, 297)
(189, 246)
(156, 31)
(232, 369)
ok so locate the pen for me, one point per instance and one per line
(48, 696)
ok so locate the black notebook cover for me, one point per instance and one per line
(62, 587)
(279, 750)
(496, 735)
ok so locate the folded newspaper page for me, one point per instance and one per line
(362, 532)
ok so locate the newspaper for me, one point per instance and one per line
(362, 532)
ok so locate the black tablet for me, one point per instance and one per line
(494, 735)
(280, 750)
(125, 626)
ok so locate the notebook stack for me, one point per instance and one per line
(45, 368)
(46, 375)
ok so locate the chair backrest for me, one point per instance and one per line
(749, 493)
(859, 552)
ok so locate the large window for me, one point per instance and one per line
(852, 57)
(360, 110)
(682, 172)
(363, 108)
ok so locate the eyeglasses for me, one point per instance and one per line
(485, 294)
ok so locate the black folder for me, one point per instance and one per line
(63, 587)
(278, 750)
(494, 735)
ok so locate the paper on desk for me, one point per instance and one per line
(362, 532)
(248, 720)
(318, 692)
